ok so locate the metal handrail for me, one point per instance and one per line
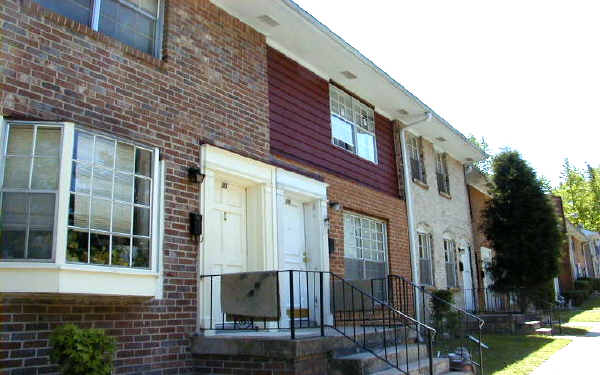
(421, 329)
(393, 321)
(465, 314)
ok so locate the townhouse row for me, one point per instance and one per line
(146, 144)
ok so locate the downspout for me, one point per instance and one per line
(409, 204)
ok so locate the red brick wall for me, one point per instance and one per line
(210, 87)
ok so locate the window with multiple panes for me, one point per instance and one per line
(137, 23)
(450, 260)
(365, 247)
(352, 124)
(108, 190)
(425, 258)
(417, 166)
(441, 168)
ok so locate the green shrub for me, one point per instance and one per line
(575, 296)
(82, 351)
(444, 319)
(584, 285)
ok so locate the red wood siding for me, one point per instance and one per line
(300, 127)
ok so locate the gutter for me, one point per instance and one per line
(409, 204)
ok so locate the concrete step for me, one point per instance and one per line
(441, 366)
(544, 331)
(530, 326)
(365, 362)
(373, 337)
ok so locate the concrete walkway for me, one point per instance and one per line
(581, 356)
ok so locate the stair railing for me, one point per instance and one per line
(357, 312)
(456, 328)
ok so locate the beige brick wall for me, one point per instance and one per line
(443, 214)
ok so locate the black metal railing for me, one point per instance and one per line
(320, 300)
(355, 312)
(551, 316)
(487, 300)
(455, 327)
(303, 307)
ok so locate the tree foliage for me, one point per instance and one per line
(485, 165)
(580, 192)
(520, 222)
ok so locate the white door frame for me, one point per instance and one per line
(312, 194)
(259, 181)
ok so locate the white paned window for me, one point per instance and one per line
(137, 23)
(352, 124)
(425, 258)
(110, 202)
(365, 247)
(103, 190)
(450, 261)
(29, 191)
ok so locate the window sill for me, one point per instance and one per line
(31, 8)
(76, 279)
(420, 183)
(445, 195)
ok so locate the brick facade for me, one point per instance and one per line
(210, 87)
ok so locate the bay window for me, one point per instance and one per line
(352, 124)
(77, 198)
(137, 23)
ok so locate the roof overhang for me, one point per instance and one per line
(294, 32)
(477, 180)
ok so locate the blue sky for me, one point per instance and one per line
(522, 74)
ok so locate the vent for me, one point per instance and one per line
(349, 74)
(268, 20)
(441, 139)
(403, 112)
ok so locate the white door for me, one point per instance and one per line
(468, 280)
(295, 257)
(229, 214)
(492, 302)
(225, 240)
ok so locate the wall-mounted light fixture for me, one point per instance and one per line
(336, 206)
(326, 221)
(195, 175)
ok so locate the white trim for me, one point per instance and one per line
(273, 44)
(62, 209)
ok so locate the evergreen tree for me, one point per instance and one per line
(520, 222)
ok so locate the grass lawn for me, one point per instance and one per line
(518, 355)
(588, 312)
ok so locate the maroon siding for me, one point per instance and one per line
(301, 130)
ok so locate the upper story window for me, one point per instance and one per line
(352, 124)
(425, 258)
(137, 23)
(365, 247)
(415, 153)
(450, 260)
(441, 169)
(72, 196)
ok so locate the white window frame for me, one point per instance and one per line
(63, 194)
(450, 260)
(425, 253)
(357, 106)
(158, 31)
(360, 256)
